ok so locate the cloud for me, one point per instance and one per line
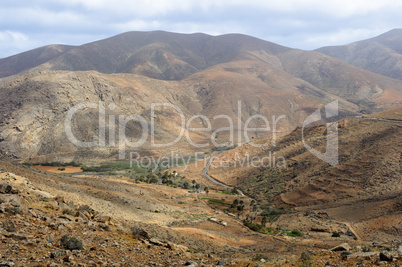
(304, 24)
(13, 41)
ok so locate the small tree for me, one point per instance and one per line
(206, 189)
(186, 185)
(264, 221)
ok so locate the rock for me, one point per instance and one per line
(11, 204)
(5, 188)
(220, 263)
(386, 256)
(9, 226)
(7, 264)
(13, 200)
(364, 255)
(341, 247)
(68, 258)
(262, 260)
(191, 263)
(33, 213)
(156, 242)
(102, 218)
(59, 199)
(16, 236)
(138, 232)
(58, 253)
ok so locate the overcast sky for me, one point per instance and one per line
(304, 24)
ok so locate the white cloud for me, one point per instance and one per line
(303, 24)
(13, 41)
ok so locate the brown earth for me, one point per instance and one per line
(68, 169)
(32, 235)
(362, 193)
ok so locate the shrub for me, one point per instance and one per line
(70, 243)
(306, 259)
(258, 257)
(252, 226)
(295, 233)
(336, 234)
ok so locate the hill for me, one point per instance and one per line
(197, 73)
(363, 189)
(381, 54)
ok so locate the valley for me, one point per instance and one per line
(166, 149)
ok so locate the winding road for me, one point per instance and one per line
(372, 119)
(204, 172)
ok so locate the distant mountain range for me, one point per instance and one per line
(198, 73)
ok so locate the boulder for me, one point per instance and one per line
(5, 188)
(386, 256)
(341, 247)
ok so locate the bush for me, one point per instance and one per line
(295, 233)
(306, 259)
(336, 234)
(258, 257)
(252, 226)
(70, 243)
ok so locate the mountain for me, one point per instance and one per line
(198, 74)
(381, 54)
(30, 59)
(158, 54)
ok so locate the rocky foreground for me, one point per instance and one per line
(37, 229)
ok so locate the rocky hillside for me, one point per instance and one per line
(38, 228)
(197, 73)
(381, 54)
(363, 189)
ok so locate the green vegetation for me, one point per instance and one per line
(294, 233)
(114, 166)
(272, 214)
(336, 234)
(54, 164)
(223, 148)
(253, 226)
(260, 228)
(214, 201)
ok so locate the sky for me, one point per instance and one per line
(303, 24)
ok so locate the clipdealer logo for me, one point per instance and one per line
(331, 153)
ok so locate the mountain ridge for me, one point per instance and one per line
(381, 54)
(198, 73)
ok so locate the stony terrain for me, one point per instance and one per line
(38, 229)
(305, 212)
